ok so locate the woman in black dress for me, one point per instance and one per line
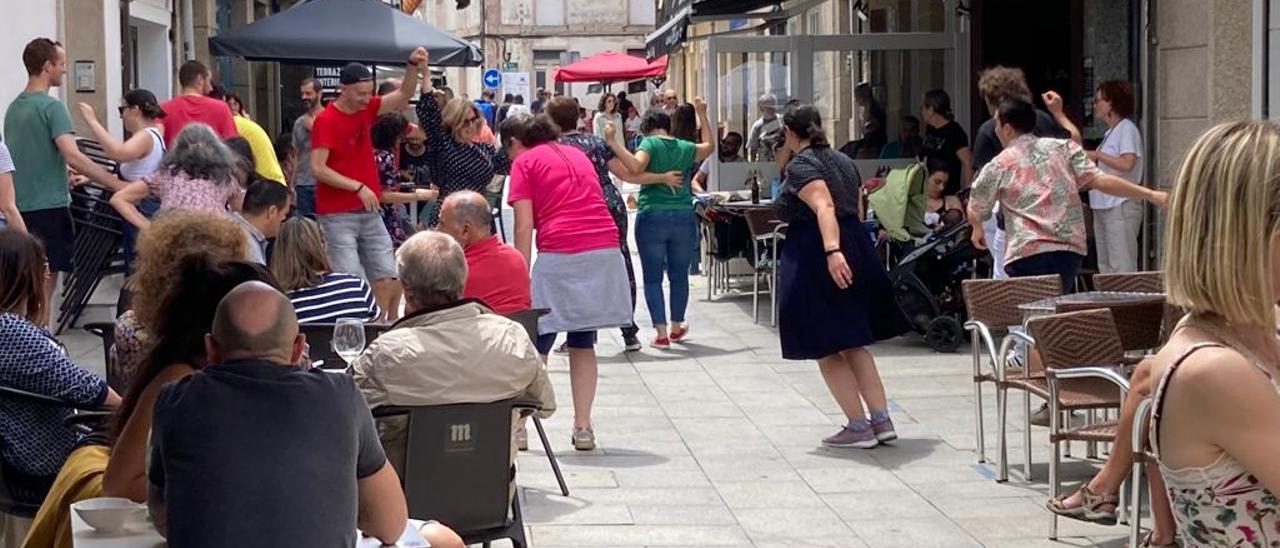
(834, 296)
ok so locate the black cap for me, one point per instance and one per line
(354, 73)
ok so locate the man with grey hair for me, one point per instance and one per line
(496, 272)
(201, 441)
(446, 349)
(766, 132)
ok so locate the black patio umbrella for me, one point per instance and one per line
(340, 31)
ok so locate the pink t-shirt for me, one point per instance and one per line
(569, 214)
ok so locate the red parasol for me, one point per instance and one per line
(611, 66)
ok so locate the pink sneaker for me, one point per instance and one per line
(678, 333)
(662, 343)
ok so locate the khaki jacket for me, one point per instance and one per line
(458, 353)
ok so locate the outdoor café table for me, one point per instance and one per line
(1046, 306)
(139, 533)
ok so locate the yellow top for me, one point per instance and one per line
(264, 154)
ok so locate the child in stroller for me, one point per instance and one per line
(927, 251)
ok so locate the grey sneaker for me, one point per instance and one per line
(584, 439)
(522, 439)
(884, 430)
(632, 343)
(862, 438)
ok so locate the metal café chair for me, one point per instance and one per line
(992, 307)
(1081, 352)
(529, 320)
(766, 230)
(1142, 455)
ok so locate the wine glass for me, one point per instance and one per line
(348, 339)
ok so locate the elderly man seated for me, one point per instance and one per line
(496, 272)
(446, 349)
(218, 479)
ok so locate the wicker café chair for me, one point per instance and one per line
(1130, 282)
(1081, 352)
(992, 307)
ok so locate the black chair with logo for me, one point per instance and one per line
(529, 320)
(459, 469)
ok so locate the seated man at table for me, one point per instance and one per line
(496, 272)
(254, 451)
(446, 349)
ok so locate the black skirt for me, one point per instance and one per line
(815, 317)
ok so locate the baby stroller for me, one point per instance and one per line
(925, 266)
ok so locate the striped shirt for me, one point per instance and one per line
(337, 296)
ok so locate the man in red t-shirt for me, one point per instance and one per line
(191, 105)
(348, 192)
(496, 272)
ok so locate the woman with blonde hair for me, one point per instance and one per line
(458, 161)
(1217, 402)
(301, 267)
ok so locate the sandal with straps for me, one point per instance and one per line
(1093, 507)
(1147, 542)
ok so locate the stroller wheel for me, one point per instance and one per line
(944, 334)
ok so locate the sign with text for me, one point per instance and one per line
(327, 76)
(517, 83)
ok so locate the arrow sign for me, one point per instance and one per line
(492, 78)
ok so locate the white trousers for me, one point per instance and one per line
(1115, 232)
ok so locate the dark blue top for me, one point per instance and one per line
(33, 438)
(253, 453)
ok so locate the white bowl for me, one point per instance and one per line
(108, 514)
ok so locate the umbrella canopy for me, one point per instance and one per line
(611, 66)
(340, 31)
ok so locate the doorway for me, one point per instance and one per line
(1048, 47)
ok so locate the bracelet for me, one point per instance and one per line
(831, 252)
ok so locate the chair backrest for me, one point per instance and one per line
(1138, 324)
(528, 318)
(760, 221)
(1083, 338)
(995, 302)
(458, 464)
(320, 337)
(1130, 282)
(97, 154)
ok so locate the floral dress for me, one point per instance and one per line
(1221, 504)
(393, 215)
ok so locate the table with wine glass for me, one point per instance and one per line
(336, 345)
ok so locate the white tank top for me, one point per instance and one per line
(137, 169)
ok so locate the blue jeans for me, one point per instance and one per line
(305, 201)
(666, 241)
(148, 207)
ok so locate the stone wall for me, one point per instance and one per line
(1203, 73)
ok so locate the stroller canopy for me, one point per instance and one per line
(900, 203)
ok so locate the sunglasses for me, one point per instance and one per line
(123, 108)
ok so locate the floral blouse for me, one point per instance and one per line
(393, 215)
(1037, 182)
(176, 189)
(1221, 504)
(130, 347)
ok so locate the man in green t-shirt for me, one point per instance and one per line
(41, 139)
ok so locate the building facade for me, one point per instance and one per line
(533, 37)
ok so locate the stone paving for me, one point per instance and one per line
(715, 443)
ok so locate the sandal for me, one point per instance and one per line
(1093, 507)
(1147, 543)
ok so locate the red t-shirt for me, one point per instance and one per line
(184, 109)
(569, 214)
(497, 275)
(346, 135)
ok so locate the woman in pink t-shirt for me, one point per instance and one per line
(579, 274)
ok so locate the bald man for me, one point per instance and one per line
(256, 427)
(496, 272)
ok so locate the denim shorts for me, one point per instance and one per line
(359, 244)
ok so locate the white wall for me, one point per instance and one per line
(155, 52)
(32, 19)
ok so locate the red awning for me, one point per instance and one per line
(611, 66)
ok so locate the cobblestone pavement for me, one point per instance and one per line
(715, 443)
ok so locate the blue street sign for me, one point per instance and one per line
(492, 78)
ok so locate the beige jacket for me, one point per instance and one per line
(460, 353)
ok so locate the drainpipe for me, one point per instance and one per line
(188, 31)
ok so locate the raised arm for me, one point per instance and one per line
(398, 99)
(1053, 102)
(708, 145)
(121, 151)
(635, 163)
